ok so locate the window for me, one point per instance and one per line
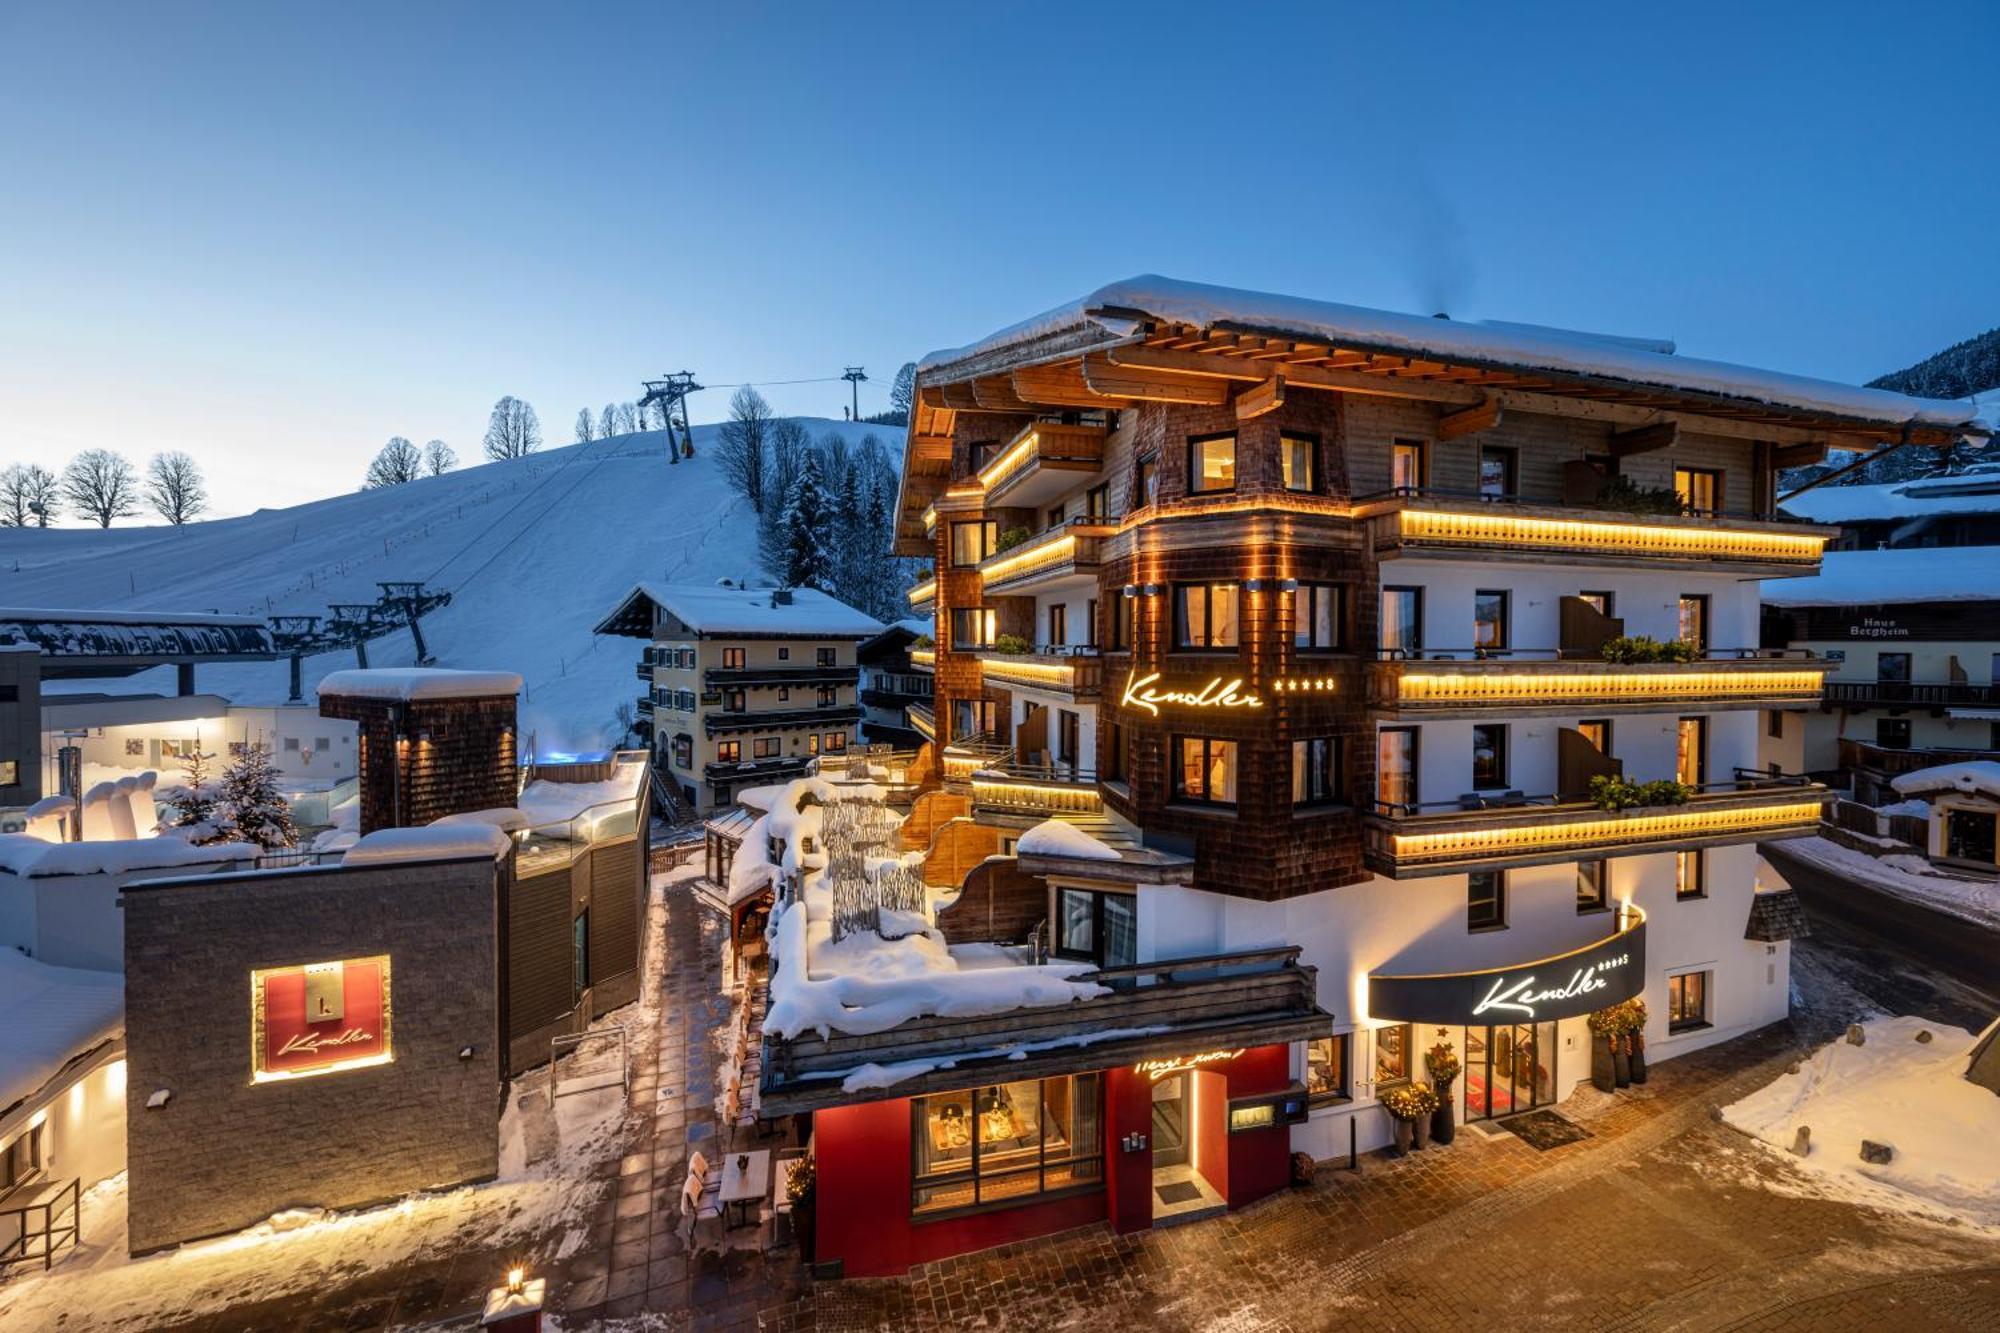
(728, 752)
(1099, 928)
(21, 1161)
(1206, 771)
(1691, 751)
(1774, 723)
(765, 747)
(685, 699)
(1690, 874)
(1591, 885)
(1319, 771)
(1489, 620)
(784, 694)
(1600, 602)
(1009, 1143)
(1069, 737)
(1969, 835)
(10, 772)
(1687, 1001)
(1326, 1068)
(1053, 518)
(1892, 733)
(579, 954)
(1489, 756)
(684, 659)
(732, 659)
(1392, 1054)
(1097, 501)
(733, 701)
(1496, 473)
(972, 626)
(1059, 623)
(1694, 620)
(1296, 454)
(1090, 621)
(836, 741)
(134, 746)
(1598, 732)
(972, 542)
(1408, 467)
(971, 717)
(829, 695)
(1111, 752)
(1700, 490)
(1396, 767)
(1892, 668)
(1145, 480)
(1486, 900)
(1402, 621)
(1205, 615)
(824, 656)
(291, 744)
(683, 751)
(1212, 464)
(1121, 624)
(1319, 616)
(812, 742)
(784, 654)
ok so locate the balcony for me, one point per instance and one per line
(1041, 463)
(1059, 668)
(645, 705)
(921, 720)
(923, 659)
(1013, 791)
(1173, 1008)
(1910, 694)
(923, 596)
(968, 754)
(1064, 557)
(1495, 833)
(1885, 761)
(715, 678)
(1458, 526)
(840, 715)
(789, 765)
(646, 672)
(1540, 682)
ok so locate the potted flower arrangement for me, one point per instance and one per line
(1604, 1039)
(801, 1178)
(1441, 1062)
(1411, 1105)
(1635, 1036)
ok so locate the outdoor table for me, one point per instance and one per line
(746, 1179)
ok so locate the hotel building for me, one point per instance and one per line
(1321, 634)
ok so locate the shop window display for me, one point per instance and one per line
(1007, 1143)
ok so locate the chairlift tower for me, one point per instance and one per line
(671, 392)
(854, 375)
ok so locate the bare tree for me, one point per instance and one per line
(607, 422)
(586, 431)
(743, 444)
(174, 487)
(27, 496)
(513, 431)
(101, 485)
(629, 414)
(399, 461)
(44, 495)
(903, 393)
(439, 458)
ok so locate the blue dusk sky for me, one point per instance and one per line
(276, 235)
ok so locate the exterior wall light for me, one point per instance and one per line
(1151, 590)
(1288, 585)
(1255, 585)
(1129, 590)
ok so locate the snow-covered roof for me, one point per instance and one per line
(52, 615)
(1112, 311)
(544, 802)
(48, 1017)
(1974, 492)
(407, 683)
(1901, 574)
(1979, 776)
(434, 842)
(1052, 837)
(34, 858)
(713, 608)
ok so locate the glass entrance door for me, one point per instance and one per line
(1509, 1069)
(1170, 1121)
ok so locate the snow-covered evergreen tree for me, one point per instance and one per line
(194, 799)
(250, 807)
(808, 510)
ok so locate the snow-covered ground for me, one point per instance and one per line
(1907, 875)
(1894, 1090)
(534, 551)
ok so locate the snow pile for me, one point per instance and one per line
(434, 842)
(408, 683)
(1894, 1090)
(751, 871)
(1977, 777)
(545, 802)
(1906, 876)
(503, 817)
(28, 856)
(1052, 837)
(48, 1017)
(1912, 807)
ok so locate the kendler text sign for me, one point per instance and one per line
(1565, 986)
(319, 1018)
(1146, 692)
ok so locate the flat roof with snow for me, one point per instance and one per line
(48, 1017)
(728, 611)
(410, 683)
(1896, 576)
(95, 643)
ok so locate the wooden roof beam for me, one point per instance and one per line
(1263, 397)
(1645, 439)
(1471, 421)
(1102, 377)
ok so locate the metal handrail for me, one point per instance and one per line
(53, 1234)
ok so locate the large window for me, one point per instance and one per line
(728, 752)
(1296, 455)
(1205, 615)
(972, 626)
(1486, 899)
(1212, 464)
(1489, 756)
(1408, 470)
(829, 695)
(1489, 620)
(1097, 500)
(1008, 1143)
(1592, 885)
(1496, 473)
(1396, 767)
(1687, 1001)
(766, 747)
(21, 1160)
(1319, 771)
(1058, 624)
(1691, 751)
(972, 542)
(1319, 616)
(1145, 480)
(1892, 733)
(1700, 491)
(1694, 620)
(732, 659)
(1392, 1054)
(1326, 1068)
(1206, 771)
(1100, 928)
(824, 656)
(1892, 668)
(971, 717)
(1402, 621)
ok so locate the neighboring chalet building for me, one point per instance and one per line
(1906, 611)
(1297, 633)
(891, 685)
(744, 685)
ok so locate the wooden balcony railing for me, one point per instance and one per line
(1067, 670)
(1012, 788)
(1891, 761)
(1910, 694)
(1043, 446)
(1065, 552)
(1471, 681)
(921, 720)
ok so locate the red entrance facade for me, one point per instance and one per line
(876, 1218)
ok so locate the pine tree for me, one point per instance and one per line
(250, 807)
(194, 798)
(807, 512)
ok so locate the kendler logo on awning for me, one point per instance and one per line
(320, 1018)
(1566, 986)
(1519, 997)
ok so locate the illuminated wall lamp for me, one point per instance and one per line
(1129, 590)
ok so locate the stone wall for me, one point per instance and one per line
(225, 1151)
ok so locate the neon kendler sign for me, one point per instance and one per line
(1218, 693)
(1180, 1064)
(1519, 996)
(1568, 985)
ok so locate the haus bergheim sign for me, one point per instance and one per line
(1579, 982)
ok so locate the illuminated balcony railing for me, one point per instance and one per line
(969, 754)
(1047, 559)
(1420, 523)
(921, 720)
(923, 595)
(1406, 843)
(1038, 791)
(923, 659)
(1517, 681)
(1041, 449)
(1065, 671)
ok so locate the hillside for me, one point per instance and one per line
(1959, 371)
(534, 550)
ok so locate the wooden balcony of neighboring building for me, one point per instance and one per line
(646, 672)
(1888, 761)
(645, 705)
(716, 678)
(1934, 695)
(1172, 1008)
(1477, 683)
(776, 719)
(1058, 668)
(1062, 558)
(739, 770)
(921, 720)
(1413, 523)
(1495, 831)
(1042, 462)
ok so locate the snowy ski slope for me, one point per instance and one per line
(535, 551)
